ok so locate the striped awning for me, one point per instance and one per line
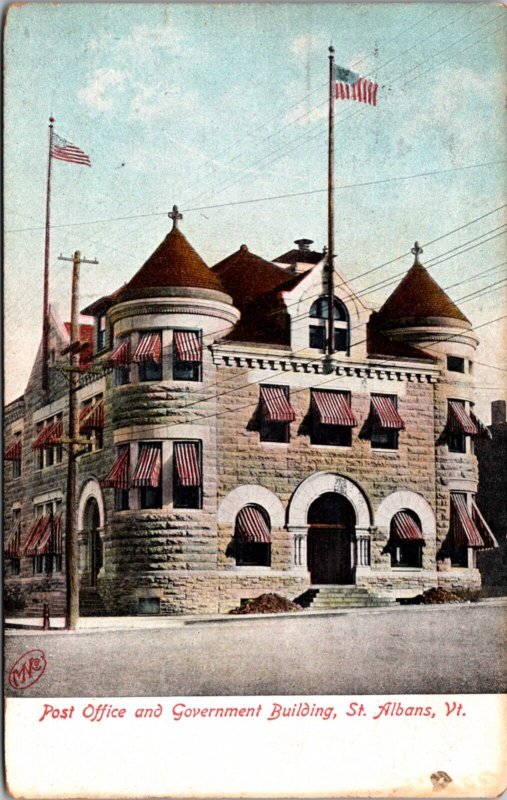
(121, 354)
(12, 546)
(463, 530)
(148, 467)
(404, 528)
(251, 525)
(92, 417)
(459, 421)
(483, 527)
(118, 475)
(186, 459)
(50, 543)
(332, 408)
(38, 530)
(275, 404)
(187, 346)
(49, 435)
(385, 413)
(13, 451)
(149, 347)
(482, 430)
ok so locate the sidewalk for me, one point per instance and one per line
(15, 625)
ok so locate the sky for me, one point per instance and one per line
(211, 107)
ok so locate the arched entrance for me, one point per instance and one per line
(91, 520)
(331, 539)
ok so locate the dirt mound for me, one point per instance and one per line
(434, 596)
(266, 604)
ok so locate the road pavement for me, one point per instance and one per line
(406, 650)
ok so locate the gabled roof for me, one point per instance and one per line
(174, 263)
(300, 257)
(245, 276)
(418, 297)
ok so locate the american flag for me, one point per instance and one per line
(65, 151)
(349, 86)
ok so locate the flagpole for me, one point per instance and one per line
(330, 209)
(45, 320)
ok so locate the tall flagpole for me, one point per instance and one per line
(330, 209)
(45, 320)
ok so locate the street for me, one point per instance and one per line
(451, 649)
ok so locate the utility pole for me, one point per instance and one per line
(330, 208)
(71, 565)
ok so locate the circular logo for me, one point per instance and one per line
(28, 669)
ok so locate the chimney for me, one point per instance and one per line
(498, 412)
(303, 244)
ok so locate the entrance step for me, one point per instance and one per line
(91, 603)
(323, 598)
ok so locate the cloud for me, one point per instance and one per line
(141, 41)
(97, 95)
(154, 101)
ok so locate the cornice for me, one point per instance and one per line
(177, 305)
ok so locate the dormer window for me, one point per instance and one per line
(101, 332)
(319, 315)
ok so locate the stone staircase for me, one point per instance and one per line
(325, 598)
(91, 603)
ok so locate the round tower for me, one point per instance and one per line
(421, 314)
(160, 547)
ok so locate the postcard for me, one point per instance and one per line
(254, 503)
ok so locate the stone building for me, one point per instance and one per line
(225, 454)
(491, 454)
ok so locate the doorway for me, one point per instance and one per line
(91, 525)
(331, 539)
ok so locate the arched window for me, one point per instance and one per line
(319, 314)
(252, 537)
(406, 539)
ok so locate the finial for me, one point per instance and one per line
(175, 216)
(417, 250)
(331, 49)
(51, 120)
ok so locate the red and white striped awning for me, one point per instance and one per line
(186, 459)
(385, 413)
(121, 353)
(38, 531)
(463, 530)
(482, 430)
(50, 542)
(118, 475)
(187, 346)
(459, 421)
(14, 451)
(149, 347)
(275, 404)
(148, 467)
(12, 547)
(483, 527)
(333, 408)
(404, 528)
(49, 435)
(251, 525)
(92, 417)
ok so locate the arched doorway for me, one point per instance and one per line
(91, 521)
(331, 539)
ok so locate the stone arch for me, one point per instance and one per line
(319, 483)
(412, 501)
(251, 494)
(90, 489)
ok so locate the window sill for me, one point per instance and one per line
(385, 450)
(333, 446)
(408, 569)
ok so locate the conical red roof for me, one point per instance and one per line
(174, 263)
(417, 297)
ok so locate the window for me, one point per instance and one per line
(49, 451)
(120, 360)
(118, 478)
(148, 475)
(121, 499)
(276, 414)
(12, 551)
(318, 330)
(91, 422)
(468, 531)
(44, 541)
(101, 332)
(386, 422)
(148, 354)
(187, 355)
(187, 475)
(459, 426)
(406, 540)
(252, 537)
(332, 418)
(13, 452)
(455, 364)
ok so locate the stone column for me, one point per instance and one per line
(363, 556)
(299, 536)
